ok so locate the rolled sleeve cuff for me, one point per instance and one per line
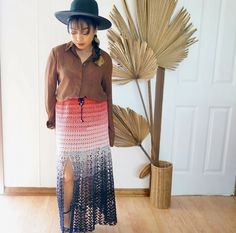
(50, 124)
(111, 136)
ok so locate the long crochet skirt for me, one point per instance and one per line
(82, 137)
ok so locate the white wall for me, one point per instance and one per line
(29, 30)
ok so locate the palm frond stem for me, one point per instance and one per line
(145, 152)
(150, 110)
(141, 96)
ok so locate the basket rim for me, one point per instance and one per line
(169, 164)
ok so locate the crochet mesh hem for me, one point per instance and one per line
(93, 196)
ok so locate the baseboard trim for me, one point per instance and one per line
(26, 191)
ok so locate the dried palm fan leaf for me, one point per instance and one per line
(134, 59)
(168, 38)
(131, 128)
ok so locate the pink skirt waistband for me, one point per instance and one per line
(85, 100)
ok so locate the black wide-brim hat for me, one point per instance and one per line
(88, 8)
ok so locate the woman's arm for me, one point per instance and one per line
(50, 89)
(107, 86)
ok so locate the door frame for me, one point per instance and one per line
(1, 143)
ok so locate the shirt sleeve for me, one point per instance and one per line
(50, 89)
(107, 86)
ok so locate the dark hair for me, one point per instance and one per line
(94, 24)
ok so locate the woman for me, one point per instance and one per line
(78, 99)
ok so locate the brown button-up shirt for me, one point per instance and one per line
(66, 76)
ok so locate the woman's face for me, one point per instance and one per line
(82, 34)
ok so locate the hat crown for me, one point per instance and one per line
(88, 8)
(85, 6)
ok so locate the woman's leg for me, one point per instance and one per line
(68, 190)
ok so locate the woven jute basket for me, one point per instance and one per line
(161, 180)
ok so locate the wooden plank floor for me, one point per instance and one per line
(192, 214)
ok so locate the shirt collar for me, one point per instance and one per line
(70, 45)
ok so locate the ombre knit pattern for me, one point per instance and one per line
(82, 137)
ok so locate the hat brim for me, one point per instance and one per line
(63, 17)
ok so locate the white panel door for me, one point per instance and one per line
(199, 117)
